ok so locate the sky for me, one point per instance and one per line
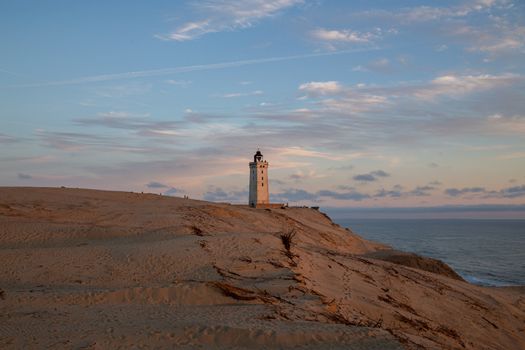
(363, 104)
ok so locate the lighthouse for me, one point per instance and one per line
(259, 192)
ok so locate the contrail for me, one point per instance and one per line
(184, 69)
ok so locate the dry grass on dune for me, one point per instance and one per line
(100, 269)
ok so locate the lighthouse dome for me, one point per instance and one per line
(258, 157)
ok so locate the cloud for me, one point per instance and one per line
(189, 31)
(497, 36)
(141, 124)
(298, 195)
(6, 139)
(447, 211)
(357, 118)
(454, 85)
(22, 176)
(277, 182)
(364, 177)
(303, 152)
(182, 83)
(99, 142)
(71, 141)
(509, 192)
(455, 192)
(293, 195)
(380, 173)
(411, 99)
(345, 35)
(227, 15)
(513, 192)
(430, 13)
(352, 195)
(320, 88)
(421, 191)
(243, 94)
(297, 176)
(372, 176)
(394, 193)
(217, 194)
(154, 184)
(397, 192)
(336, 98)
(382, 65)
(342, 167)
(300, 175)
(353, 103)
(506, 124)
(172, 191)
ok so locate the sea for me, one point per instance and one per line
(483, 251)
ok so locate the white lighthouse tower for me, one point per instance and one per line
(259, 192)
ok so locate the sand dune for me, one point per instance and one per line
(99, 270)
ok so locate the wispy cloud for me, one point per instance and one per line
(155, 184)
(498, 36)
(455, 192)
(217, 194)
(22, 176)
(303, 152)
(319, 88)
(173, 191)
(344, 35)
(349, 194)
(507, 124)
(141, 124)
(447, 211)
(454, 85)
(337, 98)
(300, 175)
(70, 141)
(372, 176)
(182, 83)
(227, 15)
(6, 139)
(508, 192)
(332, 39)
(434, 13)
(381, 65)
(243, 94)
(362, 97)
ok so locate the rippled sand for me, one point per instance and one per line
(99, 269)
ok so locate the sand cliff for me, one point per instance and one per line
(98, 269)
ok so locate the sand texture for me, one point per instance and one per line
(87, 269)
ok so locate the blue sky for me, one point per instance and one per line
(354, 104)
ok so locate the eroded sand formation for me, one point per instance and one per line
(95, 269)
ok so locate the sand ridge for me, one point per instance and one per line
(101, 269)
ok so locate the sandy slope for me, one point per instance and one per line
(96, 269)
